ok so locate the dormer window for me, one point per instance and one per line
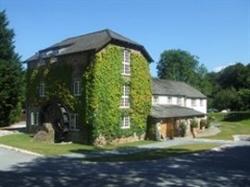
(155, 99)
(42, 89)
(77, 88)
(169, 100)
(126, 62)
(201, 102)
(178, 100)
(193, 102)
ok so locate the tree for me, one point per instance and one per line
(11, 79)
(231, 87)
(236, 76)
(182, 66)
(227, 99)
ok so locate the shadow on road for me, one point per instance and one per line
(229, 167)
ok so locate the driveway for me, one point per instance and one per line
(228, 167)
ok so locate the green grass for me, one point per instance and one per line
(156, 154)
(24, 141)
(228, 129)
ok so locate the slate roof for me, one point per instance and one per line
(174, 88)
(92, 41)
(167, 111)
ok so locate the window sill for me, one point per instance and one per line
(124, 107)
(125, 127)
(126, 74)
(77, 95)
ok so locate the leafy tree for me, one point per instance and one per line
(177, 65)
(236, 76)
(231, 87)
(227, 98)
(182, 66)
(11, 79)
(245, 98)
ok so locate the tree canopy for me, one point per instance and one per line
(180, 65)
(231, 88)
(11, 79)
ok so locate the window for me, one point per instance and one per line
(42, 89)
(126, 62)
(34, 118)
(125, 97)
(178, 101)
(77, 88)
(73, 118)
(125, 123)
(193, 102)
(201, 102)
(169, 100)
(155, 99)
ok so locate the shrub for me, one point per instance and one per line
(183, 128)
(204, 123)
(237, 116)
(193, 123)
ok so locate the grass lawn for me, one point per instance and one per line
(156, 154)
(228, 129)
(24, 141)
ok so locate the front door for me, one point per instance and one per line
(167, 129)
(170, 128)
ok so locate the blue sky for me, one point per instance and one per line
(217, 31)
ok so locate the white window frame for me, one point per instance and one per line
(125, 97)
(125, 123)
(201, 102)
(42, 89)
(34, 118)
(179, 101)
(73, 118)
(155, 99)
(193, 102)
(126, 62)
(169, 100)
(77, 87)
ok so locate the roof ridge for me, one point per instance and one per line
(159, 79)
(108, 33)
(86, 34)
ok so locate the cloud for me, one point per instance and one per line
(221, 67)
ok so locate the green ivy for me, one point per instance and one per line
(55, 87)
(141, 94)
(99, 105)
(104, 87)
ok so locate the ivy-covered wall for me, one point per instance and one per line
(98, 107)
(141, 94)
(57, 79)
(104, 84)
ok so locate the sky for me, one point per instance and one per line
(217, 31)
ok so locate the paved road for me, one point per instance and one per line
(230, 167)
(9, 158)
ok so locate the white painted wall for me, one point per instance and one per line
(187, 102)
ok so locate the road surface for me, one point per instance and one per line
(230, 167)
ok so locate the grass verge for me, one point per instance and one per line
(24, 141)
(155, 154)
(228, 129)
